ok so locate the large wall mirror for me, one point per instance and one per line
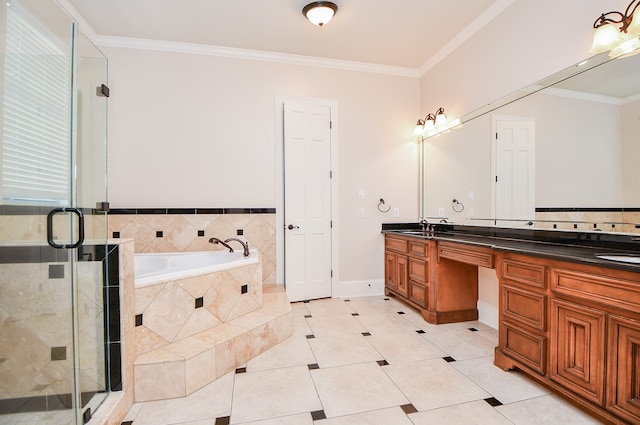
(563, 154)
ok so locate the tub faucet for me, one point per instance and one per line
(245, 245)
(217, 241)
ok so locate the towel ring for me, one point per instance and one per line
(380, 204)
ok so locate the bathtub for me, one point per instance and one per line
(161, 267)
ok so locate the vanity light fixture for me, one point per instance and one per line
(618, 32)
(434, 124)
(320, 12)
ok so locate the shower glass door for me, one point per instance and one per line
(53, 360)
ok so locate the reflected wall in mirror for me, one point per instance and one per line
(561, 154)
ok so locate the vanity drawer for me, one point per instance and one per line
(419, 249)
(418, 270)
(620, 289)
(399, 245)
(524, 307)
(476, 256)
(526, 347)
(524, 273)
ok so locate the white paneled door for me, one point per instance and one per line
(514, 147)
(307, 200)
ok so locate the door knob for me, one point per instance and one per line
(291, 227)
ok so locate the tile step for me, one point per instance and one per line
(182, 367)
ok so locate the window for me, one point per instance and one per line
(36, 124)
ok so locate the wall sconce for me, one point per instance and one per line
(618, 36)
(320, 12)
(434, 124)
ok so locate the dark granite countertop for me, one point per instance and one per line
(577, 247)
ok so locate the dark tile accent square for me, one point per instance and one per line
(116, 235)
(408, 408)
(420, 331)
(305, 302)
(56, 271)
(138, 320)
(448, 359)
(366, 334)
(240, 232)
(387, 299)
(226, 420)
(127, 423)
(200, 233)
(493, 401)
(355, 314)
(347, 301)
(241, 370)
(159, 234)
(401, 312)
(86, 415)
(307, 316)
(473, 329)
(244, 289)
(318, 415)
(58, 353)
(383, 363)
(313, 366)
(310, 336)
(200, 302)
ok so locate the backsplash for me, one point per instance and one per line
(184, 230)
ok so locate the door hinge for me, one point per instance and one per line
(331, 224)
(330, 124)
(496, 179)
(102, 90)
(330, 174)
(496, 135)
(331, 273)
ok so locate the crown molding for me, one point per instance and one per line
(472, 29)
(236, 53)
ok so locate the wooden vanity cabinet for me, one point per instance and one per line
(574, 328)
(407, 269)
(523, 330)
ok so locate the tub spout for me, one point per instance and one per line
(217, 241)
(245, 245)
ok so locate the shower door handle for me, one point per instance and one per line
(50, 240)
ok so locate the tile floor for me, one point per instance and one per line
(368, 361)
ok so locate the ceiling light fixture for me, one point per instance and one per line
(618, 32)
(320, 12)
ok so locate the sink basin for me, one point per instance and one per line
(622, 258)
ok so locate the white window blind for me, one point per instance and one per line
(36, 119)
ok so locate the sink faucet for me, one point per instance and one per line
(245, 245)
(424, 225)
(217, 241)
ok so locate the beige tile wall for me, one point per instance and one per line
(180, 233)
(585, 221)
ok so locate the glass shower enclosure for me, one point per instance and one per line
(56, 357)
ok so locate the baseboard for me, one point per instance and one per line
(488, 314)
(358, 288)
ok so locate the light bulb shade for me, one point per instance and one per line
(626, 48)
(634, 27)
(429, 125)
(320, 12)
(606, 37)
(419, 131)
(441, 119)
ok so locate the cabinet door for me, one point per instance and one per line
(390, 270)
(402, 280)
(396, 273)
(623, 386)
(578, 349)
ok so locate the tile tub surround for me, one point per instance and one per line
(191, 331)
(182, 230)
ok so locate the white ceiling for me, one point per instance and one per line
(401, 33)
